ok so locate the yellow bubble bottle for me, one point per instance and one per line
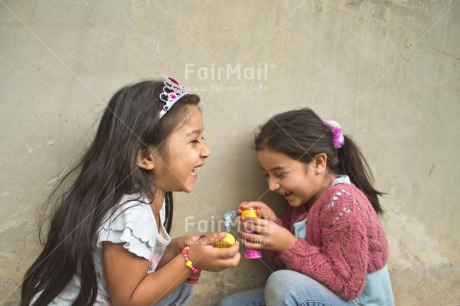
(226, 242)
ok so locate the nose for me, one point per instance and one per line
(205, 153)
(273, 184)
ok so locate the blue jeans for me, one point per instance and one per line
(285, 287)
(181, 296)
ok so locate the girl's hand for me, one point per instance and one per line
(129, 283)
(206, 257)
(268, 235)
(175, 247)
(180, 243)
(263, 211)
(183, 241)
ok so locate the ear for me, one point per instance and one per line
(144, 159)
(320, 163)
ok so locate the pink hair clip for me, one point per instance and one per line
(336, 131)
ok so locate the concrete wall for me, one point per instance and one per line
(388, 71)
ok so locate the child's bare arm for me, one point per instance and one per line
(126, 274)
(129, 283)
(175, 247)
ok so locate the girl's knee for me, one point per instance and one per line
(279, 279)
(227, 301)
(285, 287)
(278, 286)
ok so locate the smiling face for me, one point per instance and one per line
(297, 182)
(185, 152)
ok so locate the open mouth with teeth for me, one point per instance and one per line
(194, 174)
(286, 194)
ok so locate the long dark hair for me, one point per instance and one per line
(301, 135)
(107, 171)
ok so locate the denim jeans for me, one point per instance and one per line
(285, 287)
(181, 296)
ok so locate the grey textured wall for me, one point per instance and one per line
(388, 71)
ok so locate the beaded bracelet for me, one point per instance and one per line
(188, 262)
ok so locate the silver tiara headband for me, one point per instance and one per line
(172, 92)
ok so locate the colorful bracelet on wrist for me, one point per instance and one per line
(188, 262)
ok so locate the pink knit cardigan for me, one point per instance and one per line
(345, 241)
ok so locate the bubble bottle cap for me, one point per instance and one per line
(249, 213)
(228, 217)
(228, 240)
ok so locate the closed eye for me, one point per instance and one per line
(278, 176)
(197, 140)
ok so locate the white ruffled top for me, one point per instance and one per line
(133, 225)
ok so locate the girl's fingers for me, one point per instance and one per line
(210, 258)
(252, 239)
(233, 262)
(228, 252)
(248, 205)
(229, 262)
(260, 229)
(234, 249)
(213, 238)
(256, 244)
(257, 225)
(193, 239)
(258, 221)
(242, 206)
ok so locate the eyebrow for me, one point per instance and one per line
(197, 131)
(274, 168)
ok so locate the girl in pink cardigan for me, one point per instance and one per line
(330, 244)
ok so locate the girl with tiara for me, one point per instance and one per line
(330, 245)
(108, 241)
